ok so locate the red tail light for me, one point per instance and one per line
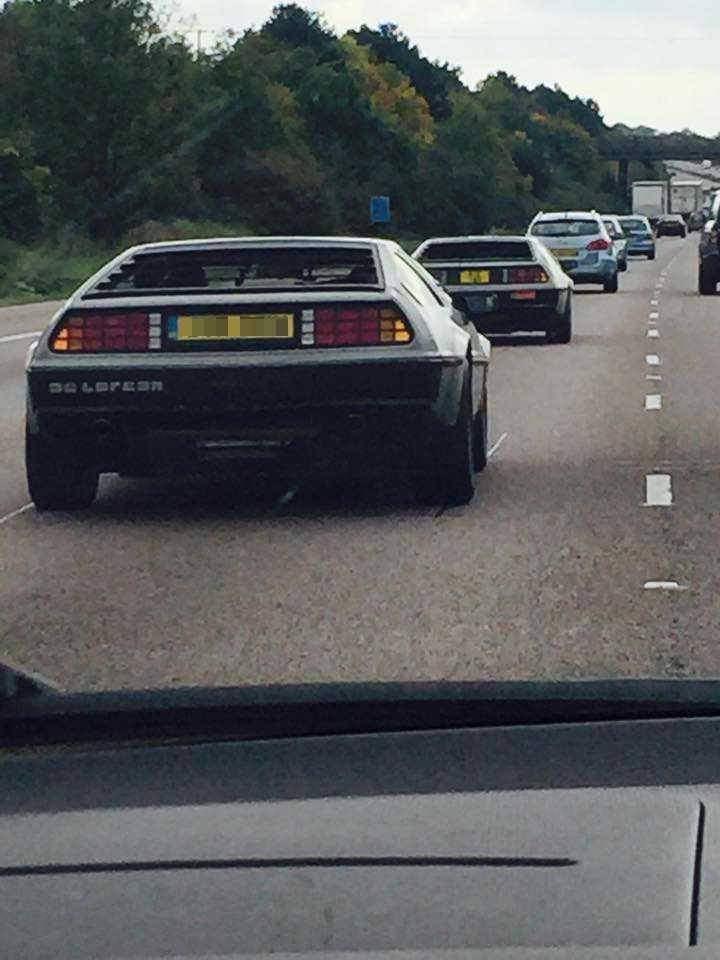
(600, 244)
(354, 326)
(527, 275)
(107, 333)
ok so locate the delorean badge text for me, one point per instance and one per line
(107, 386)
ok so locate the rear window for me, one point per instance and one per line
(479, 250)
(565, 228)
(241, 270)
(634, 226)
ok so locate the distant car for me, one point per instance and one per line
(582, 245)
(671, 225)
(640, 236)
(292, 354)
(617, 235)
(505, 284)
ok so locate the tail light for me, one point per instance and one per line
(600, 244)
(527, 275)
(354, 326)
(107, 333)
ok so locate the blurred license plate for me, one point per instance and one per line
(474, 276)
(480, 303)
(233, 326)
(564, 254)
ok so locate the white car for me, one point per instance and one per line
(505, 284)
(582, 245)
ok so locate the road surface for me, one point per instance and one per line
(551, 572)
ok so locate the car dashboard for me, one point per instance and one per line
(579, 839)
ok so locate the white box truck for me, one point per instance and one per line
(650, 198)
(686, 196)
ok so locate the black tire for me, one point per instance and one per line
(622, 267)
(707, 283)
(480, 439)
(651, 256)
(451, 482)
(563, 332)
(56, 480)
(611, 284)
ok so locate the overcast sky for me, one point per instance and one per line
(650, 62)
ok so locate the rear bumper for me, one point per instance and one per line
(592, 273)
(297, 418)
(543, 313)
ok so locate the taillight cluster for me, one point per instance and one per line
(108, 333)
(526, 275)
(354, 326)
(600, 244)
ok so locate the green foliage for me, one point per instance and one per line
(112, 132)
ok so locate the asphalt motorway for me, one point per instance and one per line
(559, 568)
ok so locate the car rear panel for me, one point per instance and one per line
(201, 400)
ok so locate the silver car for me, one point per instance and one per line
(580, 241)
(298, 354)
(505, 284)
(617, 235)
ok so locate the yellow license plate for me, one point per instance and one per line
(564, 254)
(474, 276)
(236, 326)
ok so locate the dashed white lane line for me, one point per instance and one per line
(11, 337)
(15, 513)
(653, 333)
(654, 315)
(652, 360)
(653, 401)
(663, 585)
(653, 303)
(653, 376)
(501, 439)
(658, 490)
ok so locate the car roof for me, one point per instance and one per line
(475, 237)
(204, 243)
(570, 215)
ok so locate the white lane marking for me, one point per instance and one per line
(658, 490)
(654, 315)
(15, 513)
(11, 337)
(652, 360)
(495, 446)
(653, 376)
(653, 401)
(662, 585)
(653, 303)
(653, 333)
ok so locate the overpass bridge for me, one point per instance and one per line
(661, 146)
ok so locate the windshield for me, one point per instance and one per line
(318, 364)
(565, 228)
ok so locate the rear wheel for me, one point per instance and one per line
(707, 282)
(562, 333)
(56, 478)
(611, 284)
(451, 481)
(651, 256)
(480, 439)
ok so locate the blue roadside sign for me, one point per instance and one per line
(379, 209)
